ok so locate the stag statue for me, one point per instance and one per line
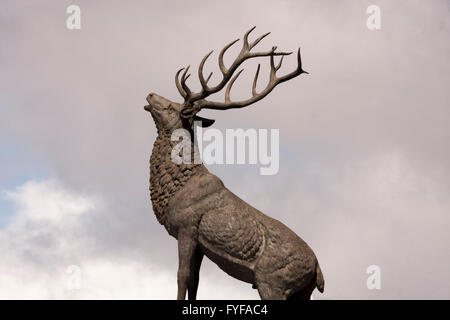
(208, 219)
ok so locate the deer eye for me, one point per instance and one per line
(170, 109)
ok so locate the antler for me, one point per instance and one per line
(227, 76)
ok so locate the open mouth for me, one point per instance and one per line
(148, 108)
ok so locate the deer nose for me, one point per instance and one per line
(150, 96)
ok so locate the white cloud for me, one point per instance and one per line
(46, 236)
(47, 201)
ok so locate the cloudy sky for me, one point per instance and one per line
(364, 143)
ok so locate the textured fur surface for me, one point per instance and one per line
(166, 177)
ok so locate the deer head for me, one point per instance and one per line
(170, 115)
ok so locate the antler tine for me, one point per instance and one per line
(184, 77)
(204, 82)
(279, 64)
(230, 84)
(254, 93)
(222, 52)
(254, 43)
(299, 70)
(177, 83)
(246, 46)
(268, 53)
(209, 77)
(299, 62)
(273, 69)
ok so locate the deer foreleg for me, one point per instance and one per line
(195, 274)
(189, 261)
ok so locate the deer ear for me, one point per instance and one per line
(190, 114)
(204, 121)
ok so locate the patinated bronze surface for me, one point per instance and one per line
(208, 219)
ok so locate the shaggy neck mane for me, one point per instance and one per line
(166, 177)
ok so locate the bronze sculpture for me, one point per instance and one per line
(204, 216)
